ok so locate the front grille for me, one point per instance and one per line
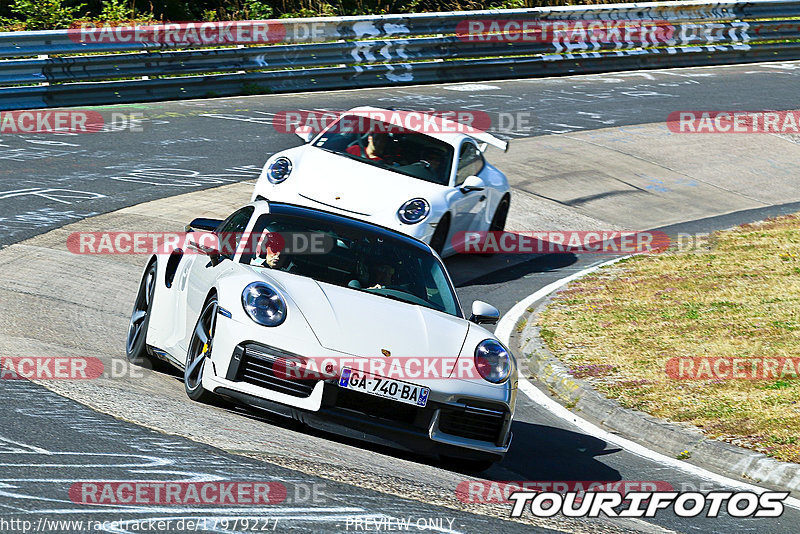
(256, 367)
(473, 423)
(381, 408)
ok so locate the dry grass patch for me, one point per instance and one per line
(739, 297)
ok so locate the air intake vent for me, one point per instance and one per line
(472, 423)
(257, 367)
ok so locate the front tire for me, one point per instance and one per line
(136, 341)
(200, 347)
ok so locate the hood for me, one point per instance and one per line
(359, 324)
(331, 180)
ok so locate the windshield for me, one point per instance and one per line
(348, 256)
(390, 147)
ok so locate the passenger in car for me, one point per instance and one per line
(382, 275)
(434, 159)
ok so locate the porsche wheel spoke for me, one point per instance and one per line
(192, 373)
(138, 316)
(200, 348)
(148, 289)
(200, 332)
(213, 319)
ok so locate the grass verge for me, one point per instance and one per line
(737, 296)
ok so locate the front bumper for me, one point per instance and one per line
(452, 423)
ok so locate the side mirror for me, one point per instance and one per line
(204, 225)
(472, 183)
(305, 133)
(483, 313)
(213, 253)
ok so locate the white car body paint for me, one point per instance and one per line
(331, 182)
(322, 321)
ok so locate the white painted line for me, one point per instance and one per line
(470, 87)
(22, 448)
(503, 333)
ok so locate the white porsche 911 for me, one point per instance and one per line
(301, 289)
(431, 182)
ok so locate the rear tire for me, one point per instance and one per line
(200, 347)
(498, 223)
(136, 342)
(439, 238)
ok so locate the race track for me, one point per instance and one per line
(595, 155)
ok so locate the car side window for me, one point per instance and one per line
(470, 162)
(232, 230)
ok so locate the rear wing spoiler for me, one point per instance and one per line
(488, 139)
(396, 117)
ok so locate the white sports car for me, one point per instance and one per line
(431, 182)
(333, 299)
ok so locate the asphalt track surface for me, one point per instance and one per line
(49, 181)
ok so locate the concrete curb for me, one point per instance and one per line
(666, 437)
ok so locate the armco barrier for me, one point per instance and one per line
(348, 52)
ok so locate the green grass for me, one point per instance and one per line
(738, 299)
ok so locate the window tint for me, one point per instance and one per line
(357, 259)
(234, 227)
(470, 162)
(400, 150)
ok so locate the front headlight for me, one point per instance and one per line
(279, 170)
(493, 361)
(263, 304)
(414, 211)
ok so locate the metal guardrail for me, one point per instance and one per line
(347, 52)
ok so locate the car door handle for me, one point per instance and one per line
(483, 197)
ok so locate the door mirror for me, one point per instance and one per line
(305, 133)
(213, 253)
(472, 183)
(204, 225)
(483, 313)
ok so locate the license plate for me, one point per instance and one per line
(387, 388)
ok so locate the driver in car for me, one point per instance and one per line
(434, 159)
(376, 144)
(376, 276)
(269, 252)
